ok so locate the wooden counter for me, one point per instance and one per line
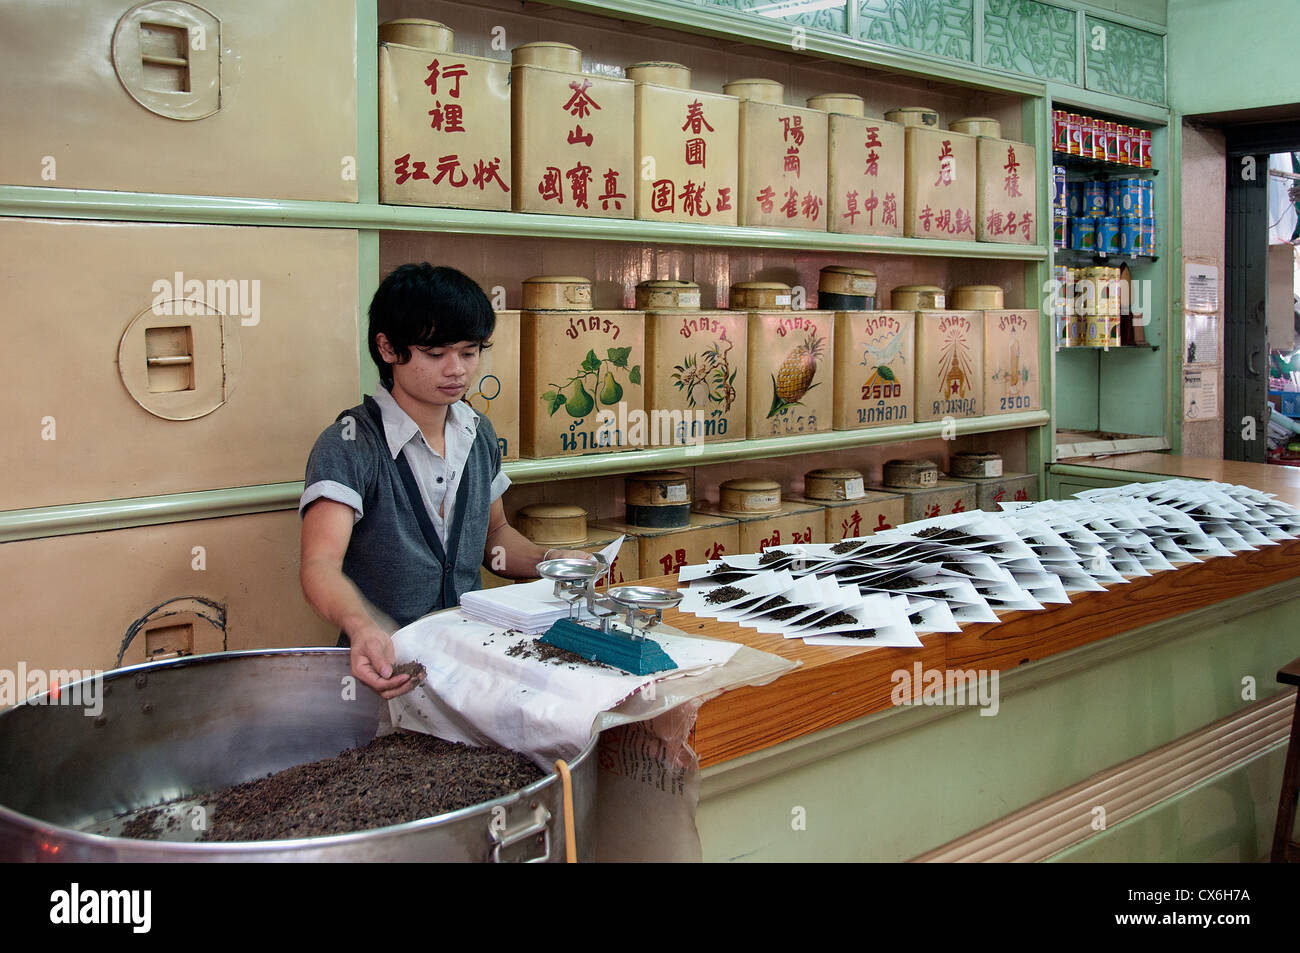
(1271, 478)
(835, 685)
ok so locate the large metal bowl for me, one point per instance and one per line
(185, 727)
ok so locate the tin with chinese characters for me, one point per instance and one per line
(784, 157)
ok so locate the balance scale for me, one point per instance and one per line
(642, 608)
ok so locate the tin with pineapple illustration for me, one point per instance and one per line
(495, 395)
(949, 364)
(791, 370)
(875, 368)
(1011, 361)
(695, 374)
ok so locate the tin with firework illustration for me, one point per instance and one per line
(791, 367)
(875, 368)
(949, 364)
(495, 394)
(696, 374)
(1011, 379)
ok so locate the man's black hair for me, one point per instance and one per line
(423, 306)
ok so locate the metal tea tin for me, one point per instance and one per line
(1083, 234)
(760, 296)
(841, 288)
(748, 496)
(1060, 228)
(914, 116)
(975, 463)
(658, 499)
(556, 293)
(910, 474)
(917, 298)
(1108, 235)
(1058, 187)
(978, 126)
(1130, 235)
(667, 295)
(1094, 198)
(553, 524)
(834, 483)
(978, 298)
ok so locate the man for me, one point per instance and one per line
(403, 492)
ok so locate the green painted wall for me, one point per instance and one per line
(1232, 54)
(1153, 11)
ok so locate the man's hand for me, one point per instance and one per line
(372, 662)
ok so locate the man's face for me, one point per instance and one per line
(435, 375)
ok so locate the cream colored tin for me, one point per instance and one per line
(977, 297)
(939, 190)
(1007, 192)
(791, 372)
(790, 523)
(1011, 366)
(553, 524)
(659, 498)
(444, 127)
(428, 35)
(783, 159)
(661, 74)
(749, 496)
(760, 295)
(909, 474)
(872, 512)
(580, 381)
(572, 136)
(917, 298)
(557, 293)
(866, 176)
(664, 551)
(696, 376)
(975, 463)
(1004, 488)
(496, 393)
(548, 55)
(841, 104)
(834, 484)
(686, 146)
(949, 364)
(946, 496)
(668, 295)
(913, 116)
(841, 288)
(977, 126)
(875, 368)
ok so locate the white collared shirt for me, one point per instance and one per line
(437, 476)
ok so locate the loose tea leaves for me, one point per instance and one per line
(400, 777)
(724, 594)
(552, 654)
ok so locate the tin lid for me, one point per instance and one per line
(914, 116)
(656, 476)
(917, 297)
(834, 483)
(667, 295)
(977, 297)
(756, 90)
(553, 522)
(749, 495)
(548, 54)
(661, 74)
(910, 473)
(978, 126)
(557, 293)
(841, 279)
(759, 294)
(975, 463)
(422, 34)
(847, 104)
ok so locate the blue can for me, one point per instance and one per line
(1114, 193)
(1094, 198)
(1149, 236)
(1130, 197)
(1108, 235)
(1059, 229)
(1083, 233)
(1074, 198)
(1147, 198)
(1058, 188)
(1130, 235)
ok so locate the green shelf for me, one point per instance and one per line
(630, 461)
(35, 201)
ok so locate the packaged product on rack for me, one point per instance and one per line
(764, 519)
(940, 185)
(949, 364)
(1011, 365)
(850, 509)
(790, 363)
(496, 393)
(875, 368)
(1007, 196)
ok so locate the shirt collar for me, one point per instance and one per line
(399, 428)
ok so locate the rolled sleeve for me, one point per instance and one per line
(331, 490)
(500, 483)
